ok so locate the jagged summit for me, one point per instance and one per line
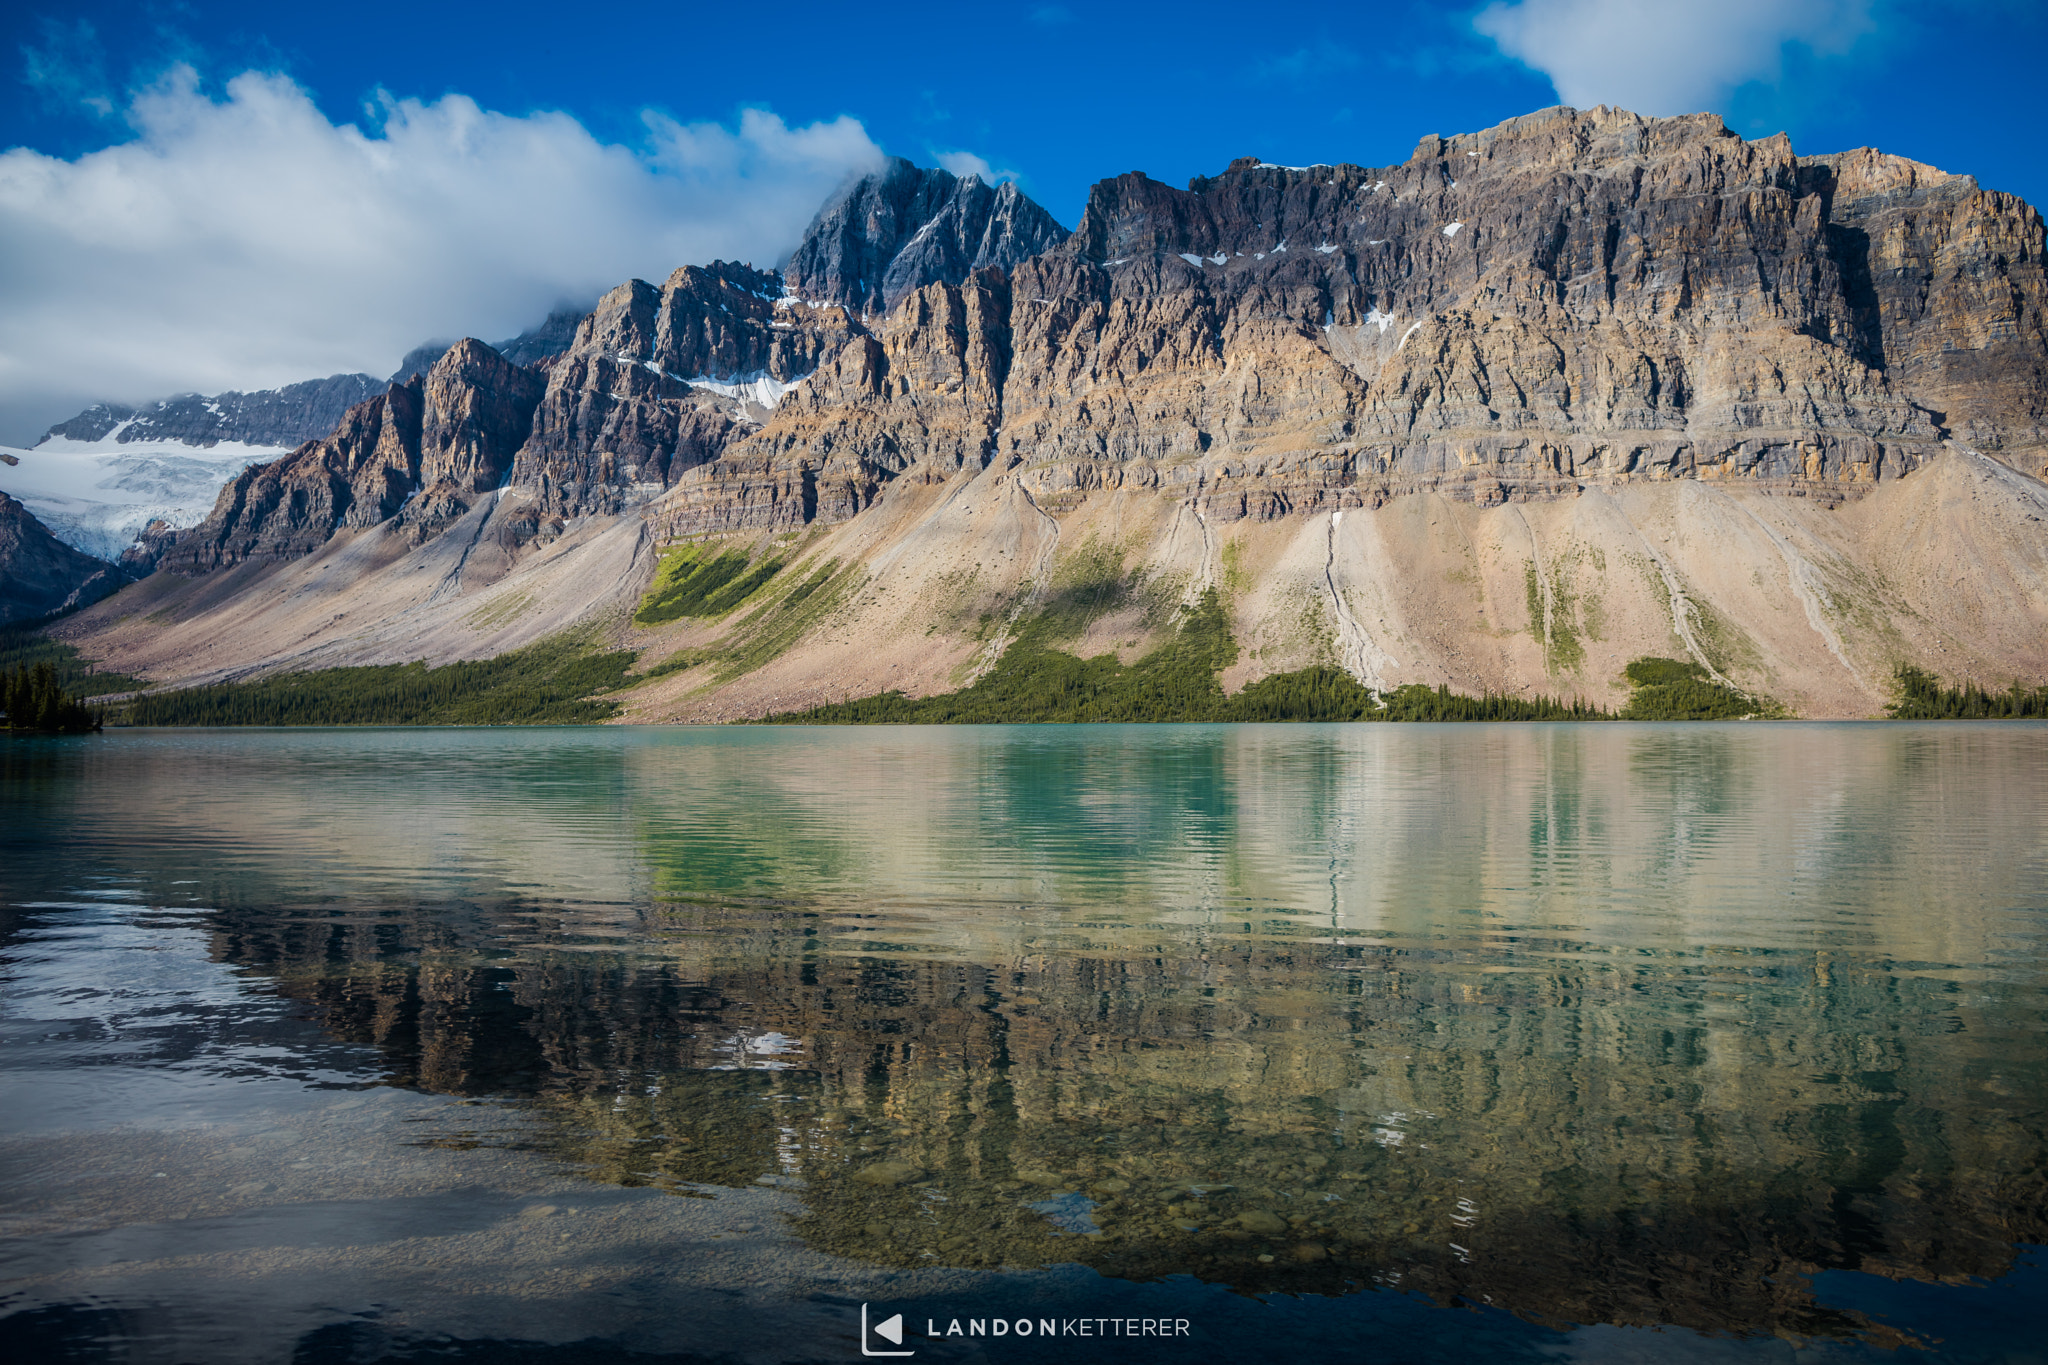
(551, 336)
(905, 226)
(1536, 400)
(267, 417)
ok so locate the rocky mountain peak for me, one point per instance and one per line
(272, 417)
(891, 233)
(549, 337)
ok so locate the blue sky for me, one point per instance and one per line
(504, 156)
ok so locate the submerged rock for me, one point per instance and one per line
(888, 1173)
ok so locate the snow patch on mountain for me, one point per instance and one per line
(97, 496)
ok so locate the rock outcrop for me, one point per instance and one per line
(891, 233)
(477, 411)
(268, 417)
(1597, 385)
(659, 380)
(41, 575)
(1568, 297)
(428, 448)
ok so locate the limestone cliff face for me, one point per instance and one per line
(922, 394)
(1599, 385)
(1570, 296)
(291, 506)
(478, 412)
(621, 416)
(424, 449)
(1946, 285)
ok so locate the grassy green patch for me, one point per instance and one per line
(74, 673)
(782, 620)
(1922, 697)
(693, 582)
(1679, 689)
(550, 683)
(1034, 682)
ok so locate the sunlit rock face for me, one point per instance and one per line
(1541, 399)
(423, 452)
(1568, 297)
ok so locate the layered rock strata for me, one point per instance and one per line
(1601, 385)
(660, 380)
(1567, 297)
(426, 449)
(477, 411)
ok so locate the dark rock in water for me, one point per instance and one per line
(267, 417)
(41, 575)
(904, 227)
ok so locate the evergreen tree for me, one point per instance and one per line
(33, 699)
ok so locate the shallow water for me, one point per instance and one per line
(1551, 1042)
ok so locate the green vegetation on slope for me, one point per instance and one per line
(1415, 701)
(550, 683)
(1922, 697)
(778, 617)
(1678, 689)
(27, 648)
(693, 582)
(1035, 683)
(34, 699)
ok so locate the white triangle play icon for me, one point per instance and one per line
(892, 1328)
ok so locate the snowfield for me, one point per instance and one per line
(96, 496)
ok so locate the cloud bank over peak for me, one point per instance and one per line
(1665, 56)
(964, 164)
(249, 241)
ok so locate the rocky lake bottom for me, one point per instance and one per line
(1400, 1043)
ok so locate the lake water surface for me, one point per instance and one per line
(1374, 1042)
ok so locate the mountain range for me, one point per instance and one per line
(1541, 399)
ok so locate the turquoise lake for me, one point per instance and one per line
(1367, 1043)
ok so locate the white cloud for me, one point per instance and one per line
(1665, 56)
(248, 241)
(964, 164)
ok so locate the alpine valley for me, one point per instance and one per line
(1541, 400)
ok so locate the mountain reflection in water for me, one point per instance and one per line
(1629, 1025)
